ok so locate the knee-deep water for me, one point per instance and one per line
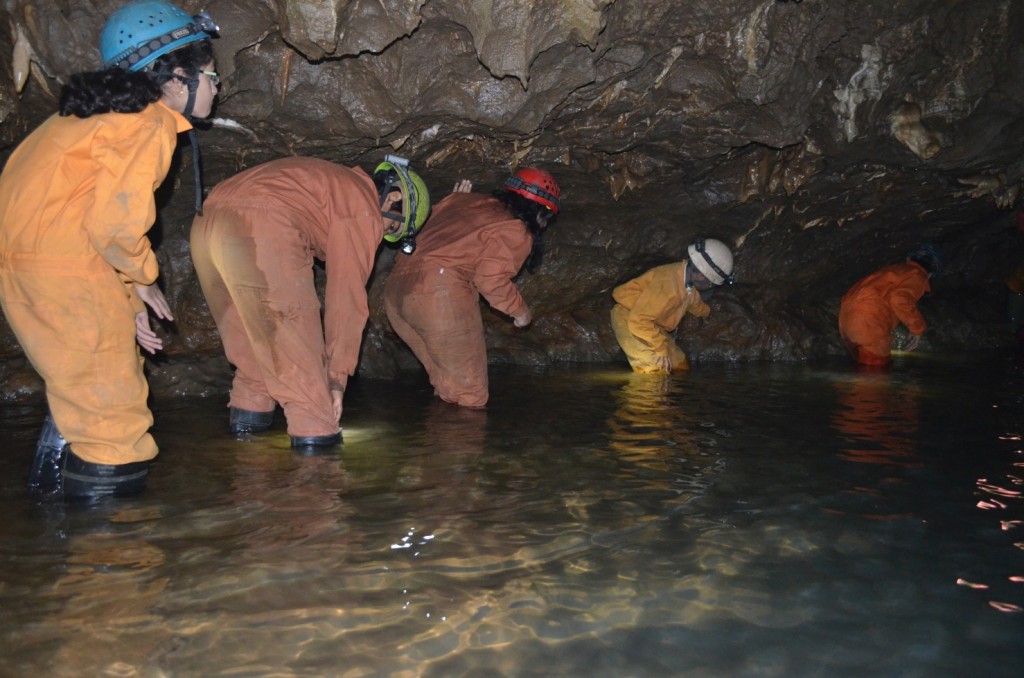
(740, 520)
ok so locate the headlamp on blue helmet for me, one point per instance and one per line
(137, 34)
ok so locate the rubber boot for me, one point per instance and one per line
(85, 480)
(314, 444)
(50, 451)
(248, 421)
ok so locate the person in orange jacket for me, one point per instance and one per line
(474, 246)
(877, 304)
(253, 249)
(652, 305)
(76, 267)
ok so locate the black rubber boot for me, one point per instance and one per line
(248, 421)
(50, 451)
(85, 480)
(315, 443)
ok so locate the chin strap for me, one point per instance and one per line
(197, 170)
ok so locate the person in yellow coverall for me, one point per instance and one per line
(76, 267)
(877, 304)
(473, 246)
(651, 306)
(253, 249)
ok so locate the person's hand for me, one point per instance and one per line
(663, 363)
(915, 341)
(154, 298)
(463, 186)
(336, 403)
(146, 337)
(523, 319)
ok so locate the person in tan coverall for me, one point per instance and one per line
(652, 305)
(253, 249)
(877, 304)
(76, 201)
(474, 245)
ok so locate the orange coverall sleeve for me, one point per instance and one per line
(903, 301)
(502, 255)
(352, 246)
(129, 168)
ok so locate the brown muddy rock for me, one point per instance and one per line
(192, 375)
(20, 383)
(821, 139)
(908, 129)
(319, 29)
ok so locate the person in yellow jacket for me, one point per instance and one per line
(76, 267)
(651, 306)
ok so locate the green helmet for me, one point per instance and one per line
(395, 173)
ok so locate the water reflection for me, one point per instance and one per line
(878, 420)
(296, 501)
(641, 429)
(587, 523)
(657, 440)
(101, 604)
(1000, 497)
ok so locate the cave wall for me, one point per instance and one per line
(822, 139)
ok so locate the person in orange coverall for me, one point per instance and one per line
(651, 306)
(253, 249)
(76, 267)
(474, 246)
(877, 304)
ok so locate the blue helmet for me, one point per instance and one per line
(138, 33)
(929, 256)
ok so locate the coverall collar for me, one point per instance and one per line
(181, 122)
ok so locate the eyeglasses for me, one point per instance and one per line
(212, 75)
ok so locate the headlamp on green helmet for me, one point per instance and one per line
(392, 174)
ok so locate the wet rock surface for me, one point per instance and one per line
(821, 139)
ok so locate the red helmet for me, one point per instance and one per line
(536, 185)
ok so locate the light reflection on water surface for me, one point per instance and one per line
(754, 520)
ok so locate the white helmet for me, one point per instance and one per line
(713, 259)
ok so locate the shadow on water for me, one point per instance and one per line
(742, 520)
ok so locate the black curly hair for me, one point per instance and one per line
(534, 216)
(116, 90)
